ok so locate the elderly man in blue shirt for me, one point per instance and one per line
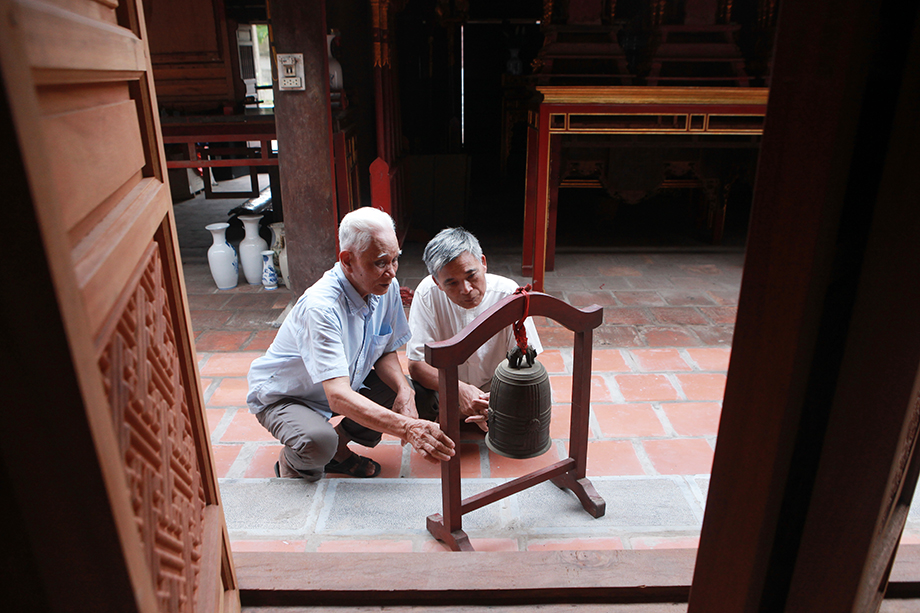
(335, 355)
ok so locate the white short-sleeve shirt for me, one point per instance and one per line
(433, 317)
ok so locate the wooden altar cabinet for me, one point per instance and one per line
(562, 110)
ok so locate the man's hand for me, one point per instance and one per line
(473, 401)
(405, 402)
(428, 440)
(474, 404)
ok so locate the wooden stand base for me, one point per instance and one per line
(584, 490)
(456, 540)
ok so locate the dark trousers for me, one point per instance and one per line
(426, 402)
(309, 439)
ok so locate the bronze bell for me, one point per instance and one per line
(520, 407)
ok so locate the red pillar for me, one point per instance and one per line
(530, 199)
(541, 217)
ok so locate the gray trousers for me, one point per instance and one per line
(309, 439)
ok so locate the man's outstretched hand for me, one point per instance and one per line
(474, 404)
(428, 440)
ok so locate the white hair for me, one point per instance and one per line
(360, 225)
(447, 246)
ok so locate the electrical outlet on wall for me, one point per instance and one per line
(290, 72)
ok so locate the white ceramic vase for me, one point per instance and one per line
(222, 257)
(335, 68)
(283, 263)
(269, 275)
(251, 248)
(280, 249)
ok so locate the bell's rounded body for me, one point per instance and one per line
(520, 409)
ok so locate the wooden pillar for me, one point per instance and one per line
(304, 126)
(816, 460)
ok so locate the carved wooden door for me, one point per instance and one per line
(102, 312)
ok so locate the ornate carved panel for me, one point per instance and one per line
(140, 368)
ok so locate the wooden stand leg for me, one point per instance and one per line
(254, 181)
(206, 175)
(274, 181)
(456, 540)
(584, 490)
(448, 527)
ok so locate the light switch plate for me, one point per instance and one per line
(290, 72)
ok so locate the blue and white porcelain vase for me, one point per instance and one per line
(222, 257)
(251, 248)
(269, 275)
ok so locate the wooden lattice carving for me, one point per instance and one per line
(140, 368)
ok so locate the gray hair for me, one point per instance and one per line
(360, 225)
(447, 246)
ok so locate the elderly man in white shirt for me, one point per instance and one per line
(335, 355)
(456, 292)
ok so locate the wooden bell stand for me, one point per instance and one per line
(568, 473)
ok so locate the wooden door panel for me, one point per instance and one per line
(106, 258)
(79, 43)
(80, 88)
(55, 99)
(100, 10)
(96, 151)
(142, 378)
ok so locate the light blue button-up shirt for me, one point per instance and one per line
(330, 332)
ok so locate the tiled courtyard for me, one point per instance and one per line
(659, 364)
(659, 370)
